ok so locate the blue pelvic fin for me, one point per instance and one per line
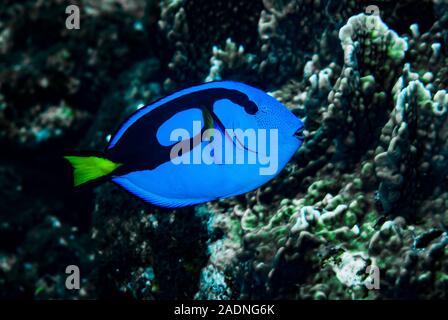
(154, 198)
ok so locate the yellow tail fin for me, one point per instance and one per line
(90, 168)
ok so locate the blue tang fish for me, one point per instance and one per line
(203, 143)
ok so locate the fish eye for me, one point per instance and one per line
(299, 134)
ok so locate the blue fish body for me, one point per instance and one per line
(203, 143)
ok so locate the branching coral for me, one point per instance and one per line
(231, 59)
(413, 154)
(193, 27)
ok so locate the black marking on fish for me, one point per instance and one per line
(132, 149)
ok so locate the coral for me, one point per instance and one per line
(374, 142)
(133, 258)
(192, 28)
(41, 70)
(286, 39)
(231, 59)
(279, 51)
(360, 97)
(52, 80)
(41, 125)
(413, 151)
(421, 269)
(411, 156)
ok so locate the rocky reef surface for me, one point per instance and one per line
(368, 188)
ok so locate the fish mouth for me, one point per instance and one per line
(299, 134)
